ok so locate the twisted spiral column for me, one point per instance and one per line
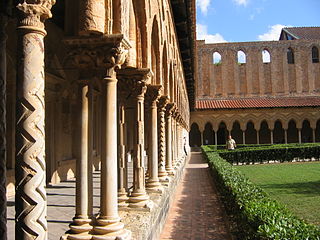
(31, 199)
(3, 68)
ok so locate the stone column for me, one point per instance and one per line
(271, 136)
(135, 80)
(163, 175)
(92, 17)
(313, 135)
(243, 137)
(201, 136)
(80, 226)
(3, 150)
(152, 96)
(169, 140)
(258, 137)
(299, 134)
(216, 137)
(122, 184)
(285, 136)
(31, 203)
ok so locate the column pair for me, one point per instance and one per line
(135, 81)
(170, 146)
(109, 54)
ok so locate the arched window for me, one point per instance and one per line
(216, 58)
(290, 56)
(266, 58)
(315, 55)
(241, 57)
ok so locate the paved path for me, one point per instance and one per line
(196, 212)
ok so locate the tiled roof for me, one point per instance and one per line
(309, 33)
(276, 102)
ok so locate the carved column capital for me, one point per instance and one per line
(170, 108)
(32, 14)
(153, 94)
(133, 81)
(98, 54)
(162, 103)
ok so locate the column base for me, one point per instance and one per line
(122, 198)
(154, 186)
(170, 171)
(140, 200)
(110, 229)
(79, 229)
(165, 181)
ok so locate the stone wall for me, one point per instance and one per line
(229, 78)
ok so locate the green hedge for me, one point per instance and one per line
(254, 214)
(280, 152)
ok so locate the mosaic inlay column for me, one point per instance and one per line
(31, 202)
(3, 174)
(152, 96)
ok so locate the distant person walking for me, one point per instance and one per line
(231, 143)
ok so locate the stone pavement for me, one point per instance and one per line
(196, 212)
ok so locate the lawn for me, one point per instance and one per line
(297, 185)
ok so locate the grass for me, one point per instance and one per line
(297, 185)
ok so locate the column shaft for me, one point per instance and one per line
(30, 175)
(313, 135)
(122, 192)
(271, 136)
(285, 136)
(3, 150)
(92, 17)
(243, 137)
(216, 137)
(139, 197)
(163, 175)
(299, 133)
(153, 181)
(169, 141)
(80, 224)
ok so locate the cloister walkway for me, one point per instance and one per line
(196, 212)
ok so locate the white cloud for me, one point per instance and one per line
(241, 2)
(273, 33)
(202, 34)
(203, 5)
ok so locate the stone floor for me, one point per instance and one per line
(196, 212)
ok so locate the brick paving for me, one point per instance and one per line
(196, 212)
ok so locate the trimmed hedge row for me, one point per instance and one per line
(281, 153)
(253, 213)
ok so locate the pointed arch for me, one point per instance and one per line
(155, 52)
(195, 135)
(292, 132)
(266, 57)
(241, 57)
(290, 56)
(264, 133)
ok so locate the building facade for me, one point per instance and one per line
(259, 92)
(85, 84)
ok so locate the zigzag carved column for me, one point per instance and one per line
(163, 175)
(3, 69)
(169, 140)
(135, 81)
(31, 206)
(152, 96)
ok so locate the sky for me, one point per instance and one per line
(252, 20)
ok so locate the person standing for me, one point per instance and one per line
(231, 143)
